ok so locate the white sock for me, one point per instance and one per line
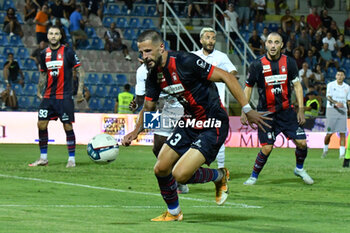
(175, 211)
(71, 158)
(325, 148)
(342, 151)
(220, 158)
(43, 156)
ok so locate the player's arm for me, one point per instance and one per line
(233, 85)
(136, 102)
(336, 104)
(147, 106)
(300, 99)
(41, 83)
(81, 76)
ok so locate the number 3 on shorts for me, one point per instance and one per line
(176, 139)
(42, 113)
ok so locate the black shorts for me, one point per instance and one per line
(51, 109)
(284, 121)
(207, 141)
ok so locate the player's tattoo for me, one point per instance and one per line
(42, 81)
(81, 76)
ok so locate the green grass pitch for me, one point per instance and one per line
(123, 196)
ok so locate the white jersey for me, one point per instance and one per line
(220, 60)
(339, 93)
(141, 76)
(172, 109)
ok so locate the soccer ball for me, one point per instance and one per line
(102, 149)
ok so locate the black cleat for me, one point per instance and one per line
(346, 163)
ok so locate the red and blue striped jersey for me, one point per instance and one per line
(59, 64)
(187, 77)
(274, 81)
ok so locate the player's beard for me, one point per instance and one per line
(157, 63)
(54, 45)
(209, 50)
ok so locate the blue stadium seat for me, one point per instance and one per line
(2, 17)
(151, 11)
(24, 103)
(108, 105)
(96, 44)
(273, 27)
(148, 23)
(22, 53)
(35, 78)
(134, 45)
(246, 36)
(139, 10)
(30, 90)
(7, 4)
(17, 88)
(260, 27)
(129, 34)
(107, 79)
(121, 79)
(26, 77)
(19, 18)
(113, 92)
(93, 79)
(346, 63)
(124, 10)
(36, 102)
(6, 51)
(134, 23)
(331, 71)
(85, 44)
(2, 61)
(29, 64)
(95, 104)
(90, 32)
(107, 21)
(3, 40)
(113, 10)
(122, 23)
(101, 91)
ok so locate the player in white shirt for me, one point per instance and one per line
(338, 97)
(220, 60)
(172, 110)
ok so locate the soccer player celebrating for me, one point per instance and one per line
(209, 54)
(56, 75)
(200, 132)
(338, 96)
(275, 74)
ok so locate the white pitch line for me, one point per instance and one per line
(241, 205)
(107, 206)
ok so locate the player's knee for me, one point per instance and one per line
(302, 145)
(42, 125)
(266, 150)
(180, 178)
(160, 170)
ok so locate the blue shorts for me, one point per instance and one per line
(51, 109)
(207, 141)
(284, 121)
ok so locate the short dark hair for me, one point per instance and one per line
(341, 70)
(127, 86)
(10, 54)
(152, 35)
